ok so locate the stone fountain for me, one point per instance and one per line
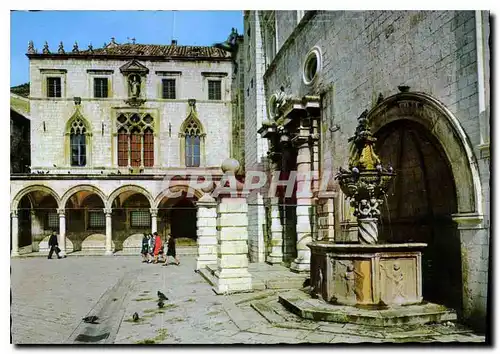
(366, 282)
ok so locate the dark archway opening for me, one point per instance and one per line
(84, 217)
(183, 219)
(419, 206)
(24, 220)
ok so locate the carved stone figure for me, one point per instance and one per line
(281, 100)
(397, 277)
(319, 285)
(349, 279)
(135, 85)
(75, 48)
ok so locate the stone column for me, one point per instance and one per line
(36, 231)
(154, 220)
(109, 233)
(62, 231)
(275, 255)
(304, 201)
(232, 251)
(206, 222)
(15, 234)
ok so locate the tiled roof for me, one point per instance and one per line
(144, 50)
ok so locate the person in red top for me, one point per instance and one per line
(157, 248)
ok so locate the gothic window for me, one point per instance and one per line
(192, 136)
(135, 140)
(53, 87)
(78, 142)
(214, 90)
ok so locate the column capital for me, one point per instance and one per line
(32, 212)
(154, 212)
(61, 212)
(13, 213)
(108, 211)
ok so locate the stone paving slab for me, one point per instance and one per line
(51, 297)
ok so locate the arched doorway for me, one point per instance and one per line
(420, 204)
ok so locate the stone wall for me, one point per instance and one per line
(19, 143)
(255, 146)
(169, 114)
(368, 53)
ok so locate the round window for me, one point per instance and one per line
(312, 66)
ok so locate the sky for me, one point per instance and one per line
(97, 27)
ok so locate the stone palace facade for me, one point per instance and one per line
(109, 126)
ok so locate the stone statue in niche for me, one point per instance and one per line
(397, 277)
(135, 85)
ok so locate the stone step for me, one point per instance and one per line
(207, 275)
(306, 307)
(267, 311)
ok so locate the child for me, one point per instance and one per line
(171, 250)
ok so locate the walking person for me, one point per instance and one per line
(145, 248)
(54, 246)
(151, 247)
(171, 250)
(157, 247)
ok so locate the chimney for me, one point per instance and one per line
(174, 41)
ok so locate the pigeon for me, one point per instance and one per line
(91, 319)
(161, 304)
(162, 296)
(135, 317)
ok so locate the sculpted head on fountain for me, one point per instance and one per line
(366, 182)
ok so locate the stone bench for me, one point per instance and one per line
(96, 242)
(133, 244)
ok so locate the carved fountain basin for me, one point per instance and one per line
(377, 275)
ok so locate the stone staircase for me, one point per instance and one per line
(271, 308)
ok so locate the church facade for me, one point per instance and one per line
(113, 129)
(422, 78)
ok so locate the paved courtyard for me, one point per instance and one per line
(50, 298)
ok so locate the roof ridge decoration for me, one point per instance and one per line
(131, 50)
